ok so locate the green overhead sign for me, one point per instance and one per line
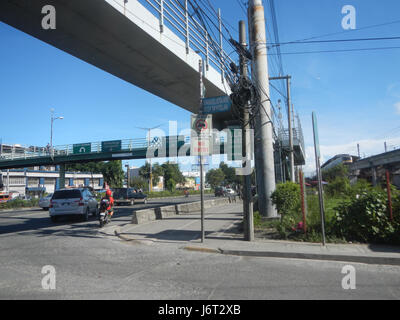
(82, 148)
(111, 146)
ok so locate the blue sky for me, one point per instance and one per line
(356, 95)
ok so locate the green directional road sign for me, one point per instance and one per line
(111, 146)
(82, 148)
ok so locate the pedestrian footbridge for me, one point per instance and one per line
(153, 44)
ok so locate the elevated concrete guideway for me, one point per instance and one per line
(390, 158)
(126, 40)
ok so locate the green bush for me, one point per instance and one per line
(17, 203)
(365, 218)
(286, 198)
(360, 187)
(338, 187)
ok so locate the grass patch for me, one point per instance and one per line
(13, 204)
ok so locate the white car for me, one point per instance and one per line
(230, 192)
(78, 201)
(44, 202)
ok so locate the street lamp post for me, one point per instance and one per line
(127, 175)
(51, 130)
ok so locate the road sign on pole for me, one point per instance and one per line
(82, 148)
(201, 142)
(216, 104)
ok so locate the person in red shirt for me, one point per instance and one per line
(111, 201)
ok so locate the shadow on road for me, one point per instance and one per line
(43, 226)
(234, 232)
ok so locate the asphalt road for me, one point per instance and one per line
(91, 265)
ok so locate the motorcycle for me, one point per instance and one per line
(104, 215)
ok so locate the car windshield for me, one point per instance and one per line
(67, 194)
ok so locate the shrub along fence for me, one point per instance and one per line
(356, 212)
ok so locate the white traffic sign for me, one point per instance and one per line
(201, 133)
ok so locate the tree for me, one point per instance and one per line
(171, 184)
(339, 171)
(215, 177)
(230, 174)
(156, 171)
(172, 172)
(139, 183)
(112, 171)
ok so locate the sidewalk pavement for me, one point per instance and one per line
(223, 235)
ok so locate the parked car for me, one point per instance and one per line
(230, 192)
(219, 192)
(79, 201)
(44, 202)
(4, 198)
(128, 196)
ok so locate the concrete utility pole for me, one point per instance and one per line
(264, 160)
(246, 147)
(201, 156)
(291, 155)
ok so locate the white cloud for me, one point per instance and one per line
(397, 106)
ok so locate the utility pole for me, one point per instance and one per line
(291, 156)
(201, 156)
(246, 147)
(151, 169)
(265, 167)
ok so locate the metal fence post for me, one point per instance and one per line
(187, 26)
(220, 46)
(207, 57)
(161, 16)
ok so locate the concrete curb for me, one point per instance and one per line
(307, 256)
(22, 209)
(207, 250)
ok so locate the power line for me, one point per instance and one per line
(347, 31)
(339, 50)
(332, 41)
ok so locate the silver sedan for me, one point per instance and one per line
(44, 202)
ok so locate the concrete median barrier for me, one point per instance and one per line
(186, 208)
(142, 216)
(166, 211)
(146, 215)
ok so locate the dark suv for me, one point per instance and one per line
(128, 196)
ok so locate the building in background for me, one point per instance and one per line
(35, 181)
(133, 172)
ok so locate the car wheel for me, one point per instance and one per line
(86, 215)
(96, 212)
